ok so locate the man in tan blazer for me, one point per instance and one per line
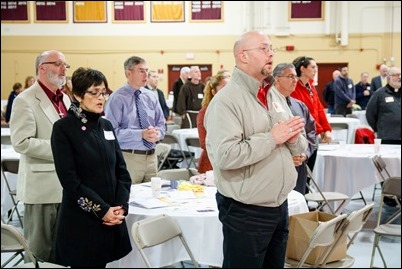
(34, 112)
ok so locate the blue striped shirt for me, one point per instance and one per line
(121, 111)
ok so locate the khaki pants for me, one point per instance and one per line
(141, 167)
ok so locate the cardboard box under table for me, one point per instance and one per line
(301, 229)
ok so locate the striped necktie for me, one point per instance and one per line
(142, 116)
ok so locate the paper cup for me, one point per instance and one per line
(156, 186)
(377, 145)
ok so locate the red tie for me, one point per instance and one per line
(262, 95)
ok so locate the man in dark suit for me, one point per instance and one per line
(380, 80)
(184, 76)
(152, 84)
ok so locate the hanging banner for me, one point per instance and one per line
(90, 11)
(206, 11)
(306, 10)
(50, 11)
(128, 11)
(167, 11)
(14, 11)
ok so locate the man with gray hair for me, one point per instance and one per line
(184, 76)
(34, 112)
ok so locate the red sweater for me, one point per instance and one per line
(204, 164)
(314, 105)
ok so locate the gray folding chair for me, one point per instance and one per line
(192, 143)
(11, 166)
(323, 199)
(12, 240)
(155, 231)
(390, 188)
(162, 152)
(177, 174)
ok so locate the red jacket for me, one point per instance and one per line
(314, 105)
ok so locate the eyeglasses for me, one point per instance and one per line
(58, 64)
(265, 50)
(395, 75)
(97, 93)
(290, 76)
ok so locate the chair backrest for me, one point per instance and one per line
(176, 174)
(191, 116)
(324, 235)
(340, 131)
(10, 166)
(364, 135)
(162, 152)
(390, 188)
(11, 236)
(381, 166)
(154, 231)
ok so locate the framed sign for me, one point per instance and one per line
(306, 10)
(14, 11)
(128, 11)
(167, 11)
(90, 11)
(50, 11)
(205, 11)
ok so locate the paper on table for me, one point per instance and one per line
(153, 202)
(180, 195)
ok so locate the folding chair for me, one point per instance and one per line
(324, 198)
(162, 152)
(381, 167)
(176, 155)
(390, 188)
(12, 240)
(191, 116)
(157, 230)
(11, 166)
(353, 225)
(325, 235)
(192, 142)
(177, 174)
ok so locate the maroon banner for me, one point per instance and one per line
(128, 11)
(306, 10)
(206, 10)
(14, 11)
(50, 11)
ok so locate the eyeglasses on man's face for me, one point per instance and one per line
(395, 75)
(291, 76)
(96, 94)
(58, 64)
(265, 50)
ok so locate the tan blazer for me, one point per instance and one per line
(31, 123)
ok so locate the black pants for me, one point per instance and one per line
(253, 236)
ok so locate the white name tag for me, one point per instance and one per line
(200, 96)
(109, 135)
(350, 86)
(389, 99)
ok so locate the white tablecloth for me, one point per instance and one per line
(361, 115)
(5, 136)
(182, 134)
(348, 168)
(347, 135)
(202, 230)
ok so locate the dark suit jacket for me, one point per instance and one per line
(162, 102)
(375, 83)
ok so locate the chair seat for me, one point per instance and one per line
(347, 262)
(330, 196)
(388, 229)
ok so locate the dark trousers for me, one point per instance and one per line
(253, 236)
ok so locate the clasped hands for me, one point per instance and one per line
(288, 130)
(114, 216)
(151, 134)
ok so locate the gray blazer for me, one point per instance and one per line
(31, 123)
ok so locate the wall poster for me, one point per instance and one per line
(306, 10)
(90, 11)
(206, 11)
(167, 11)
(50, 11)
(14, 11)
(128, 11)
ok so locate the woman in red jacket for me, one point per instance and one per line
(306, 69)
(212, 87)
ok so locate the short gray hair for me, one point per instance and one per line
(278, 70)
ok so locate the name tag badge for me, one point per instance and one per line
(109, 135)
(389, 99)
(350, 86)
(200, 96)
(277, 106)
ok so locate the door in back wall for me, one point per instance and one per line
(174, 73)
(325, 71)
